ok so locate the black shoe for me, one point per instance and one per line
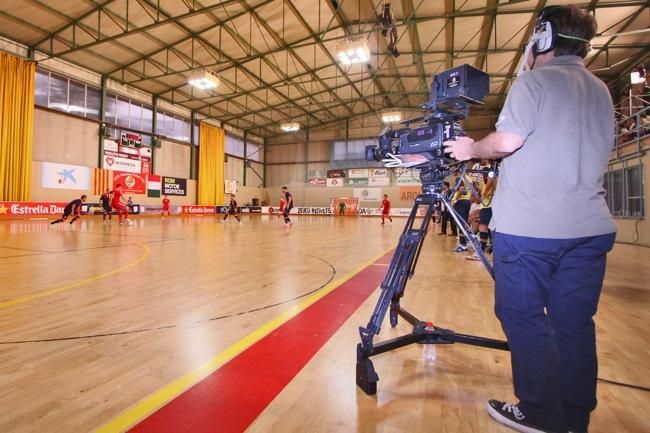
(509, 415)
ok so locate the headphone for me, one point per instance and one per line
(545, 36)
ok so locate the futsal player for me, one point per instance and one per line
(105, 200)
(282, 205)
(232, 208)
(165, 207)
(385, 209)
(289, 199)
(119, 205)
(73, 208)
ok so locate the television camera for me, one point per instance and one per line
(453, 93)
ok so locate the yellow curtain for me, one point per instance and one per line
(212, 144)
(16, 127)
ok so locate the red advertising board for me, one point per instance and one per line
(28, 209)
(132, 183)
(145, 166)
(198, 210)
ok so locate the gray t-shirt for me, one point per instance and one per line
(552, 187)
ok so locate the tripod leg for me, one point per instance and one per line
(471, 237)
(401, 268)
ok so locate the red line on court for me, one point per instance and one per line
(232, 397)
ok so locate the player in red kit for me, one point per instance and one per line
(282, 204)
(385, 209)
(165, 207)
(119, 205)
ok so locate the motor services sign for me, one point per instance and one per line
(29, 209)
(174, 186)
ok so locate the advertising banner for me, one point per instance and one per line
(378, 172)
(65, 176)
(369, 211)
(145, 166)
(356, 173)
(317, 181)
(368, 194)
(357, 181)
(379, 181)
(408, 193)
(30, 209)
(242, 209)
(230, 186)
(313, 211)
(132, 183)
(110, 145)
(129, 150)
(97, 209)
(331, 174)
(174, 186)
(198, 210)
(118, 163)
(335, 183)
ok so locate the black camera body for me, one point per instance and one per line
(453, 93)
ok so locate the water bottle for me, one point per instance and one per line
(429, 353)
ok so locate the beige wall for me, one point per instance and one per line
(172, 159)
(65, 139)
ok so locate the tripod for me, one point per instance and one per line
(401, 269)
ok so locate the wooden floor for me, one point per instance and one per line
(95, 318)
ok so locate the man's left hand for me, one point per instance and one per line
(461, 148)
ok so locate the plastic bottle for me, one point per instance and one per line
(429, 353)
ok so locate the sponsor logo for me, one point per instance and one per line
(314, 210)
(110, 161)
(191, 209)
(129, 181)
(31, 208)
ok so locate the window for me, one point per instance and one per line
(58, 93)
(196, 133)
(64, 94)
(93, 102)
(41, 88)
(634, 189)
(625, 192)
(255, 151)
(77, 99)
(234, 145)
(147, 119)
(111, 109)
(173, 126)
(122, 112)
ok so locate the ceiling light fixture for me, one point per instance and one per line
(204, 79)
(290, 127)
(353, 50)
(391, 116)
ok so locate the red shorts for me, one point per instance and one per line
(165, 209)
(118, 206)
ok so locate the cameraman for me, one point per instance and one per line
(553, 228)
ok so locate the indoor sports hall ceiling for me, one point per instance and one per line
(277, 62)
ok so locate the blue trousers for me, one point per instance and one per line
(546, 294)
